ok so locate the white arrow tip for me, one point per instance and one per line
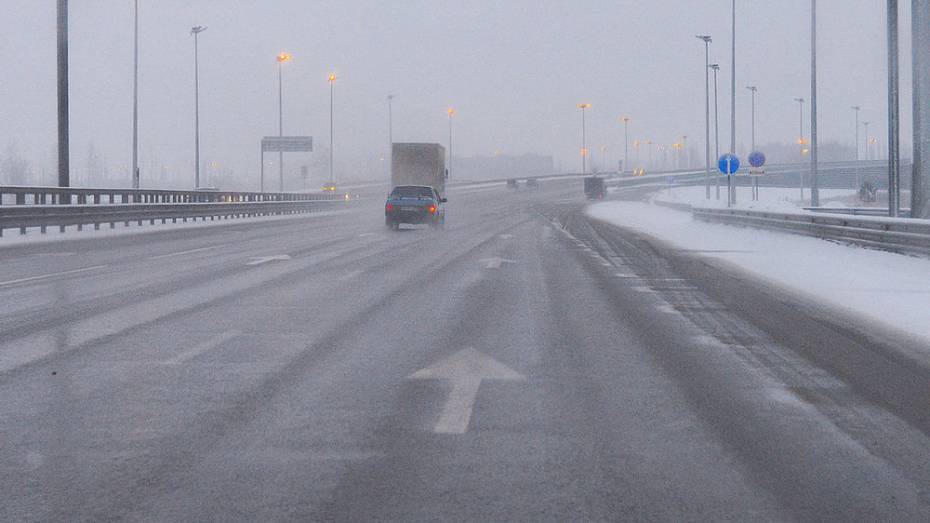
(468, 363)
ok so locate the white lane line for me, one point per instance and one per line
(350, 275)
(506, 236)
(53, 275)
(201, 348)
(182, 253)
(265, 259)
(495, 262)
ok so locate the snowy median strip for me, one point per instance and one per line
(889, 288)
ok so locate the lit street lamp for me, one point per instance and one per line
(196, 30)
(584, 148)
(283, 57)
(332, 80)
(707, 40)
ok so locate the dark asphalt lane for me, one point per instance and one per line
(524, 363)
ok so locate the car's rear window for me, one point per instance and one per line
(412, 192)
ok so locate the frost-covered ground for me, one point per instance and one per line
(889, 288)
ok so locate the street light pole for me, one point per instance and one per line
(626, 143)
(196, 30)
(920, 66)
(894, 194)
(451, 113)
(815, 189)
(283, 57)
(707, 40)
(332, 80)
(733, 83)
(390, 98)
(64, 160)
(135, 97)
(716, 67)
(584, 147)
(753, 89)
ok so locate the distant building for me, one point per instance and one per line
(500, 166)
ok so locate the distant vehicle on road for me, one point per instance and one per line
(513, 184)
(594, 187)
(414, 204)
(329, 187)
(532, 183)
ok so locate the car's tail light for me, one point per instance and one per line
(389, 207)
(432, 209)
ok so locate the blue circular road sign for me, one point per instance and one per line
(728, 164)
(756, 159)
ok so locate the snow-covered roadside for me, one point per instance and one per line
(33, 235)
(889, 288)
(770, 198)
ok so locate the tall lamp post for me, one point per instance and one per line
(281, 58)
(894, 123)
(753, 89)
(451, 113)
(332, 81)
(716, 67)
(733, 82)
(195, 31)
(626, 143)
(815, 189)
(64, 159)
(584, 147)
(707, 40)
(390, 98)
(135, 96)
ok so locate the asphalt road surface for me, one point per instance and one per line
(524, 363)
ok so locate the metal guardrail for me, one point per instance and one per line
(859, 211)
(892, 234)
(42, 207)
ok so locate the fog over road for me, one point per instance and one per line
(525, 363)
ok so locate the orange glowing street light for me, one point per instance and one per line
(284, 57)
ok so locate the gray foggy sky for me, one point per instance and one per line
(514, 71)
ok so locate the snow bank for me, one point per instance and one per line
(890, 288)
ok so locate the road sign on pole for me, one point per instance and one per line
(283, 144)
(728, 164)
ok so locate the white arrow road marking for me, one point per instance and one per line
(506, 236)
(465, 369)
(495, 263)
(265, 259)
